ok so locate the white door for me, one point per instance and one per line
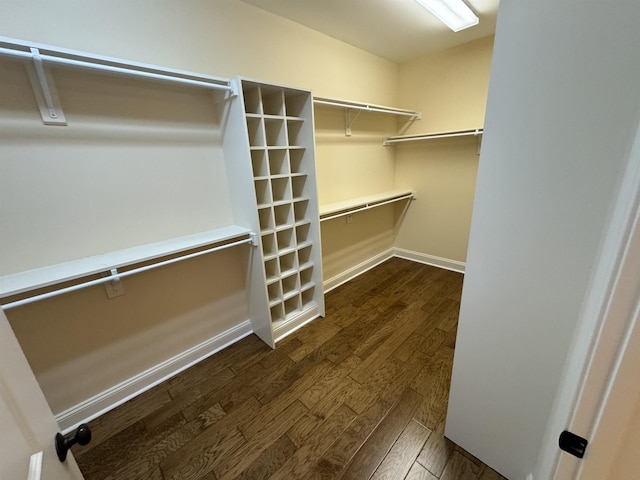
(607, 412)
(27, 425)
(600, 397)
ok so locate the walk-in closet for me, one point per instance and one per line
(239, 241)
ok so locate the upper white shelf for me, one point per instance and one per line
(360, 107)
(367, 107)
(359, 204)
(38, 57)
(43, 277)
(430, 136)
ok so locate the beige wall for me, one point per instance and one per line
(350, 167)
(82, 344)
(450, 89)
(217, 37)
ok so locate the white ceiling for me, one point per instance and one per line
(398, 30)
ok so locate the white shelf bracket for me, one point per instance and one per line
(254, 239)
(349, 120)
(45, 91)
(235, 88)
(114, 288)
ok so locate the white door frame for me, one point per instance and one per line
(602, 342)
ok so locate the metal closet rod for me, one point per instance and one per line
(365, 107)
(118, 276)
(369, 206)
(125, 69)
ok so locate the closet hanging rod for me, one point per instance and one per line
(112, 65)
(118, 276)
(369, 206)
(367, 107)
(428, 136)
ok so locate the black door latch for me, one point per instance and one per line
(573, 444)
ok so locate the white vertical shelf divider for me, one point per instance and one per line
(274, 178)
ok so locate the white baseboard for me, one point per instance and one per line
(118, 394)
(432, 260)
(359, 269)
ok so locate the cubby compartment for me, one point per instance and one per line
(277, 313)
(290, 284)
(291, 305)
(263, 192)
(306, 277)
(304, 256)
(302, 233)
(274, 132)
(295, 103)
(269, 247)
(259, 163)
(282, 215)
(278, 164)
(265, 216)
(271, 270)
(252, 102)
(306, 296)
(288, 263)
(280, 189)
(286, 239)
(272, 101)
(274, 292)
(294, 127)
(298, 183)
(255, 129)
(296, 156)
(300, 209)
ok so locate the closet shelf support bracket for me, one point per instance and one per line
(349, 120)
(44, 90)
(115, 287)
(254, 239)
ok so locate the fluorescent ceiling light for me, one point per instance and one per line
(453, 13)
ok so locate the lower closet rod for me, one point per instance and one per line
(118, 276)
(369, 206)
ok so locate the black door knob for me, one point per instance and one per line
(82, 436)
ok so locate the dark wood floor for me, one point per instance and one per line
(359, 394)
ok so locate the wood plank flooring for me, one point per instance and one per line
(361, 394)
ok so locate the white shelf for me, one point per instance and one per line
(367, 107)
(363, 203)
(430, 136)
(43, 277)
(360, 107)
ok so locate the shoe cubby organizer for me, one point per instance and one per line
(278, 122)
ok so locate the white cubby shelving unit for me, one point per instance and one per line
(286, 279)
